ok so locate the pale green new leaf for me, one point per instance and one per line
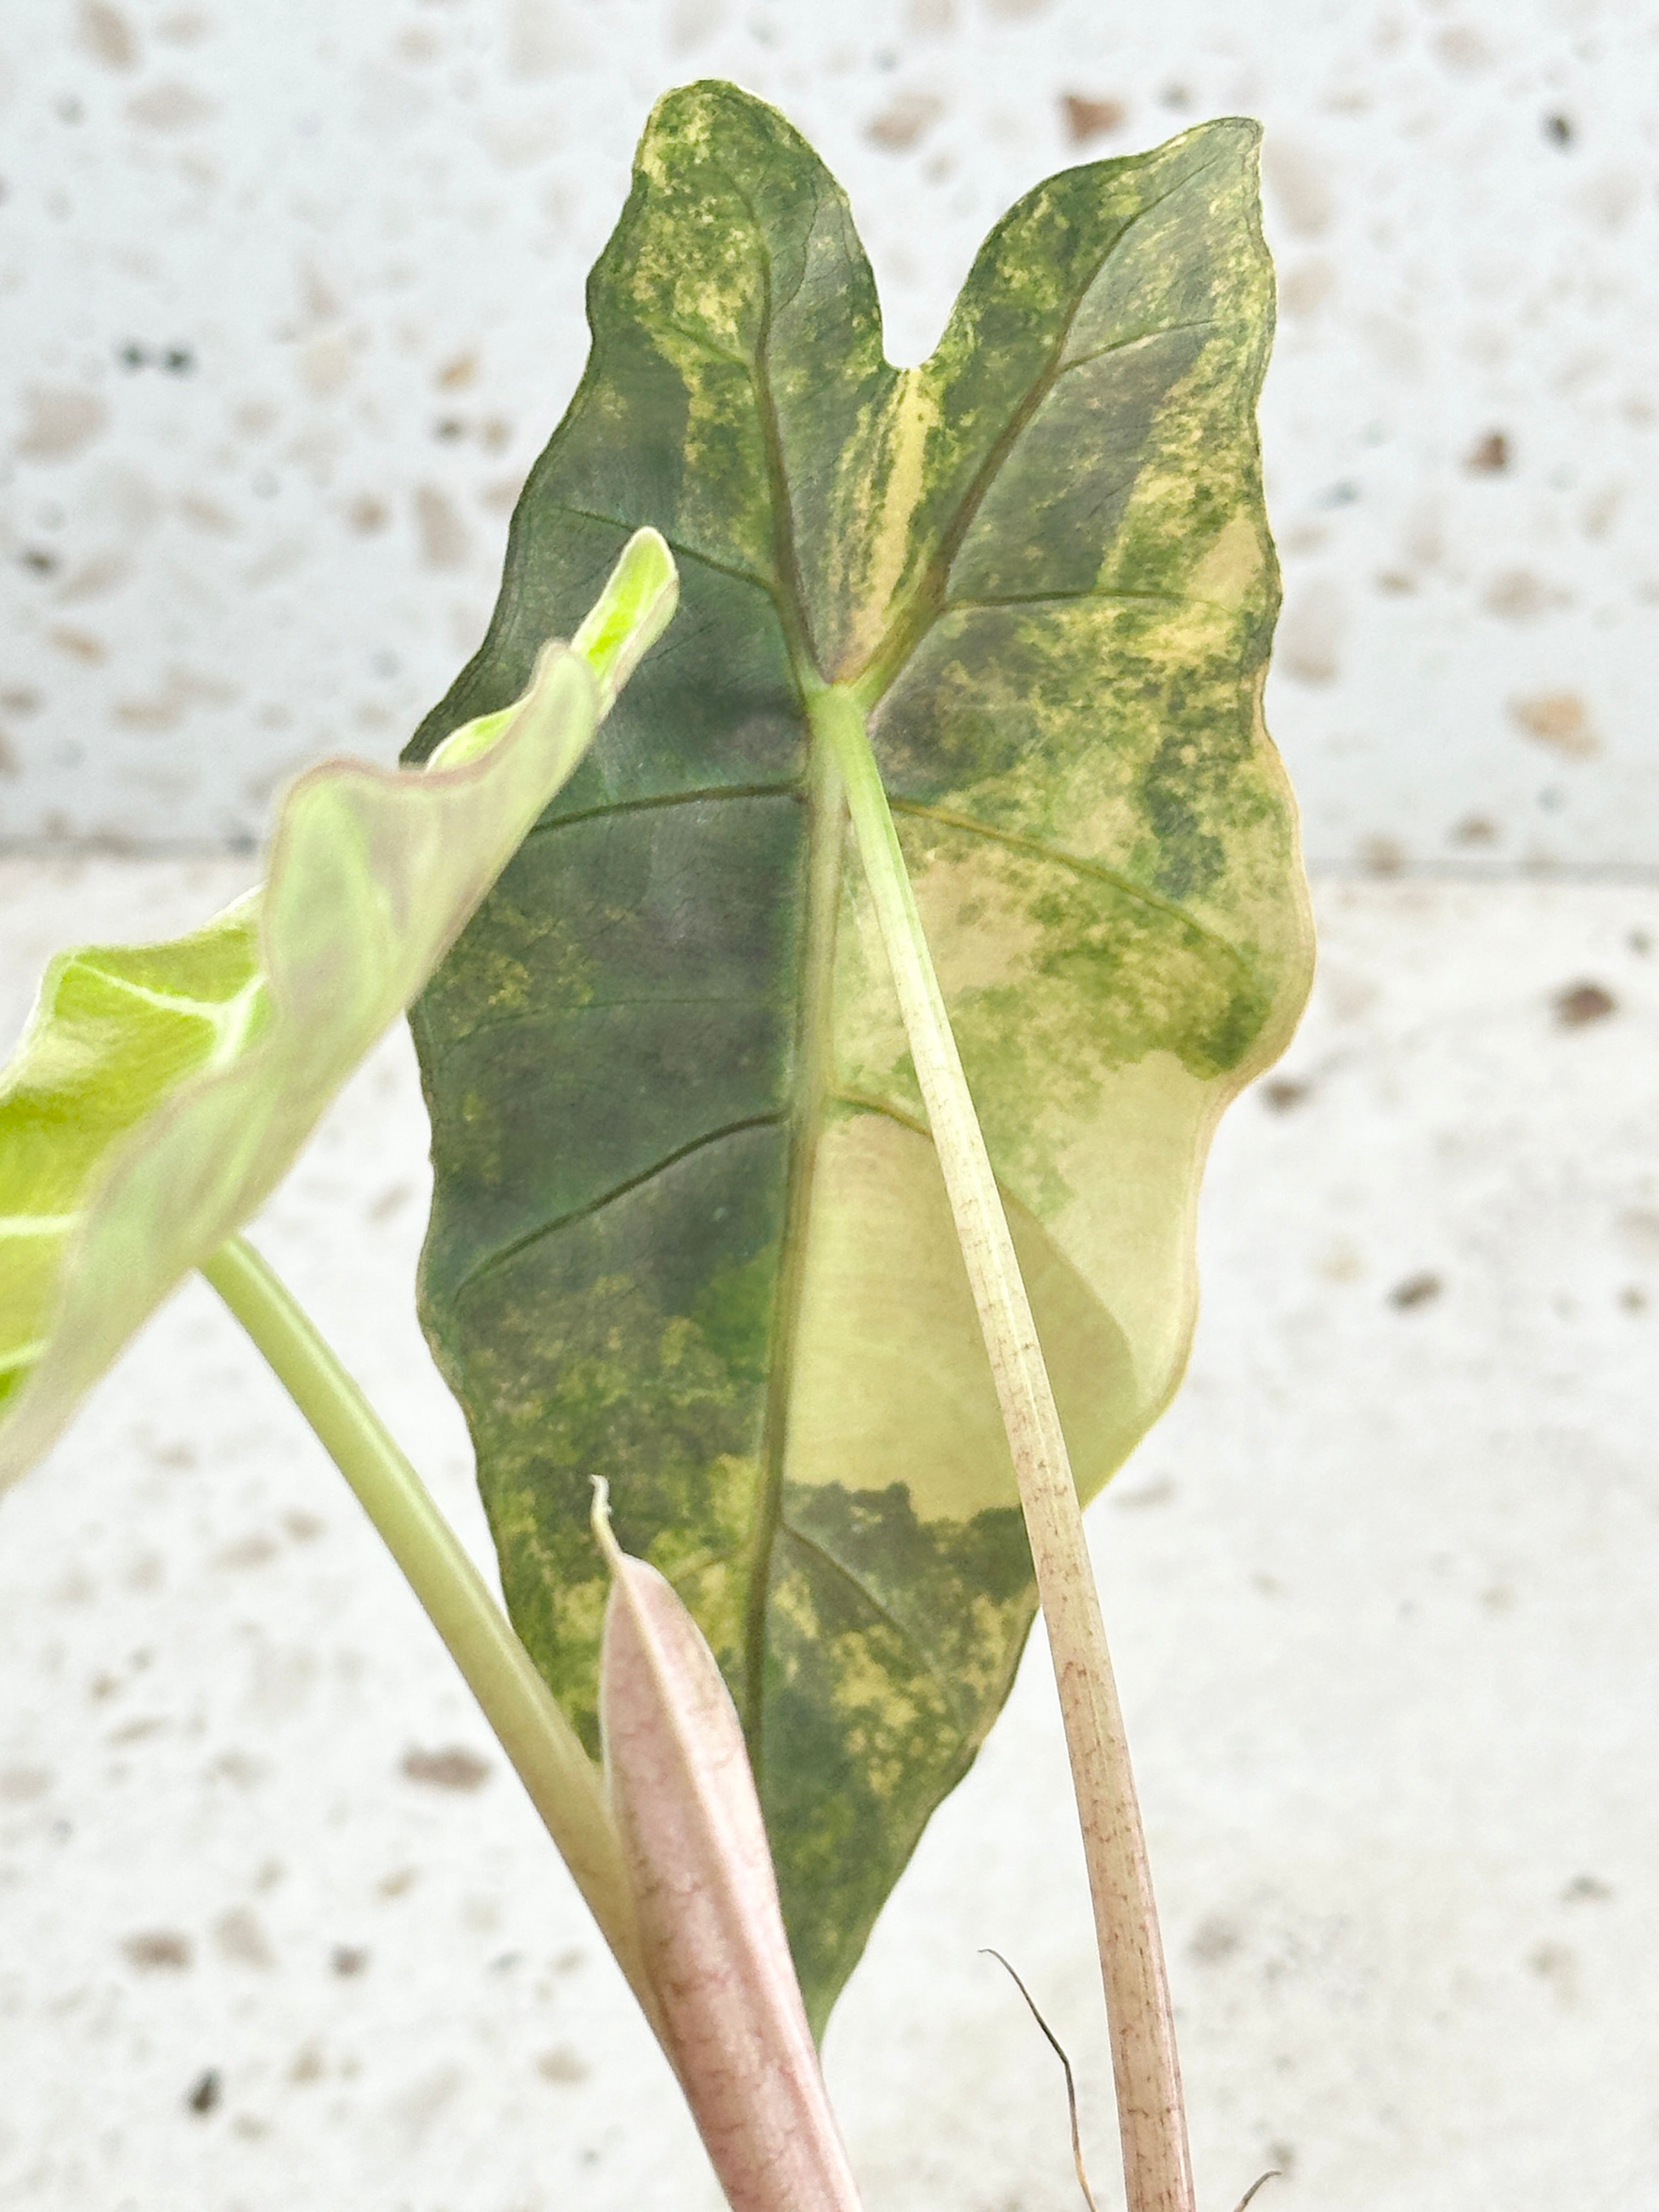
(689, 1230)
(160, 1091)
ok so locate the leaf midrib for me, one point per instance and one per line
(827, 819)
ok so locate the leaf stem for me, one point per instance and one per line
(1156, 2165)
(561, 1781)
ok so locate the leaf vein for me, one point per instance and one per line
(551, 822)
(906, 1636)
(1098, 870)
(865, 1102)
(515, 1245)
(676, 546)
(1140, 338)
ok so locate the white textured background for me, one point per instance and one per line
(290, 297)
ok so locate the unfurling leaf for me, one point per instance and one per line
(733, 2023)
(160, 1091)
(689, 1230)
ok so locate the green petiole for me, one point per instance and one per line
(561, 1781)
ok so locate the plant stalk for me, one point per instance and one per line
(1157, 2164)
(561, 1781)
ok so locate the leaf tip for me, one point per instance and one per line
(631, 612)
(599, 1520)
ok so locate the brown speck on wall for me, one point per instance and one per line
(1582, 1003)
(1088, 118)
(169, 107)
(1556, 1964)
(561, 2065)
(107, 34)
(443, 537)
(59, 421)
(1310, 633)
(1465, 50)
(1489, 456)
(1586, 1889)
(1382, 856)
(1306, 287)
(1517, 595)
(241, 1940)
(450, 1769)
(161, 1950)
(500, 495)
(1298, 185)
(1559, 719)
(1214, 1939)
(905, 122)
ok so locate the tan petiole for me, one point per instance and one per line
(1157, 2164)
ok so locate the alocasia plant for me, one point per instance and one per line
(957, 743)
(161, 1092)
(689, 1230)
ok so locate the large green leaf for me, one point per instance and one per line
(160, 1091)
(689, 1230)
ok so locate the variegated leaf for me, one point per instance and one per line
(689, 1230)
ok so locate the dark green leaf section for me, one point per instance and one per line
(689, 1230)
(890, 1637)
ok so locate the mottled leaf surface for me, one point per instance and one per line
(689, 1231)
(160, 1091)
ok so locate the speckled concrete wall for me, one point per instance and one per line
(289, 298)
(292, 297)
(278, 1929)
